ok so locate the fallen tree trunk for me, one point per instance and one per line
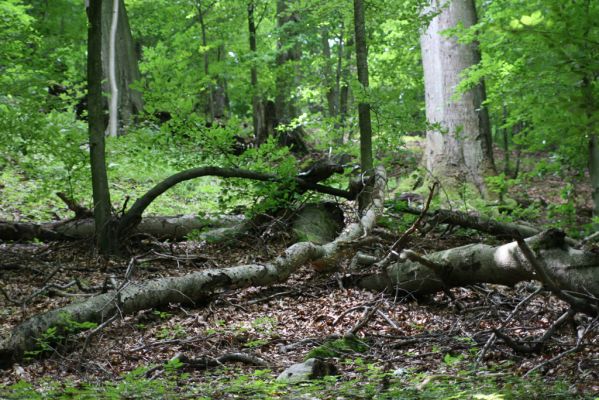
(189, 288)
(160, 227)
(573, 271)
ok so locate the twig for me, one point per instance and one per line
(93, 333)
(581, 335)
(538, 344)
(511, 316)
(389, 320)
(400, 243)
(367, 317)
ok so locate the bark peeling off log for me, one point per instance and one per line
(574, 270)
(186, 289)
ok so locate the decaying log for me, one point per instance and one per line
(189, 288)
(160, 227)
(477, 222)
(576, 272)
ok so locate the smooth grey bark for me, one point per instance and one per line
(574, 271)
(458, 143)
(101, 193)
(130, 101)
(192, 287)
(174, 228)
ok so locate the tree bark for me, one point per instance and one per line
(173, 228)
(105, 242)
(458, 148)
(574, 271)
(287, 77)
(260, 132)
(130, 101)
(363, 105)
(189, 288)
(331, 92)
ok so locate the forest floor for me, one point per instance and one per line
(408, 349)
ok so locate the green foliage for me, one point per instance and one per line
(338, 348)
(54, 334)
(367, 382)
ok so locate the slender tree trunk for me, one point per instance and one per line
(220, 101)
(363, 105)
(460, 151)
(209, 110)
(331, 93)
(344, 93)
(101, 192)
(126, 68)
(287, 78)
(260, 133)
(114, 89)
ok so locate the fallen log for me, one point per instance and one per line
(573, 271)
(175, 228)
(189, 288)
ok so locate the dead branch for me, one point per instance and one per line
(192, 287)
(581, 335)
(401, 242)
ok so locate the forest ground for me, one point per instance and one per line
(417, 349)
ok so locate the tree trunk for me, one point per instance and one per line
(287, 77)
(575, 271)
(101, 194)
(129, 100)
(207, 92)
(363, 105)
(459, 149)
(173, 228)
(220, 101)
(331, 84)
(260, 132)
(344, 93)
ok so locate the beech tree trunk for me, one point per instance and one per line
(126, 70)
(574, 271)
(459, 149)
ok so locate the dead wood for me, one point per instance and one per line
(189, 288)
(575, 272)
(477, 222)
(174, 228)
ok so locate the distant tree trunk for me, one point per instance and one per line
(460, 150)
(114, 90)
(207, 93)
(101, 193)
(344, 93)
(287, 78)
(331, 84)
(126, 70)
(260, 132)
(220, 101)
(363, 105)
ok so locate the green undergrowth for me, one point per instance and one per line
(367, 382)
